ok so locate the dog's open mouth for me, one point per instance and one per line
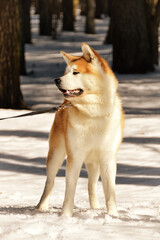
(71, 93)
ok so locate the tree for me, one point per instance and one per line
(153, 20)
(56, 13)
(101, 8)
(68, 16)
(90, 13)
(109, 35)
(10, 93)
(134, 35)
(83, 7)
(75, 6)
(26, 20)
(45, 23)
(22, 40)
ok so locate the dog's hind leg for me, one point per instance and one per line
(93, 176)
(54, 161)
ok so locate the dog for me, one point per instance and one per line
(89, 131)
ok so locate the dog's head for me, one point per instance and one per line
(84, 74)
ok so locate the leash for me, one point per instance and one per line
(53, 110)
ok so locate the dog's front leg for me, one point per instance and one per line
(54, 161)
(108, 175)
(72, 174)
(93, 176)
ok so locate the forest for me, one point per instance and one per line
(133, 32)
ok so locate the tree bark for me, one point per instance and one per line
(90, 27)
(68, 17)
(10, 93)
(131, 46)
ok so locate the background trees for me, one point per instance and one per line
(135, 35)
(133, 32)
(131, 47)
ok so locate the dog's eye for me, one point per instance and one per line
(75, 73)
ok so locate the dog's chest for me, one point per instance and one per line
(87, 132)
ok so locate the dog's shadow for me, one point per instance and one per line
(29, 210)
(83, 214)
(18, 210)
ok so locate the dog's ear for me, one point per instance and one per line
(88, 52)
(68, 58)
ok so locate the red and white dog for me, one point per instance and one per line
(90, 131)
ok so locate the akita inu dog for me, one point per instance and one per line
(90, 131)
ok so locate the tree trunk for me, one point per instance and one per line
(26, 20)
(109, 35)
(56, 14)
(75, 6)
(101, 8)
(36, 4)
(68, 17)
(45, 9)
(153, 19)
(131, 46)
(10, 93)
(90, 28)
(83, 7)
(22, 40)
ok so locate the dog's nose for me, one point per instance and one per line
(57, 81)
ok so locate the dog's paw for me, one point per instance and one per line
(42, 207)
(113, 213)
(66, 212)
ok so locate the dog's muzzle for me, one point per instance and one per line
(68, 92)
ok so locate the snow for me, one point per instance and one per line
(24, 146)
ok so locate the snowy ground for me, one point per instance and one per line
(24, 145)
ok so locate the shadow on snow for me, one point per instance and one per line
(144, 175)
